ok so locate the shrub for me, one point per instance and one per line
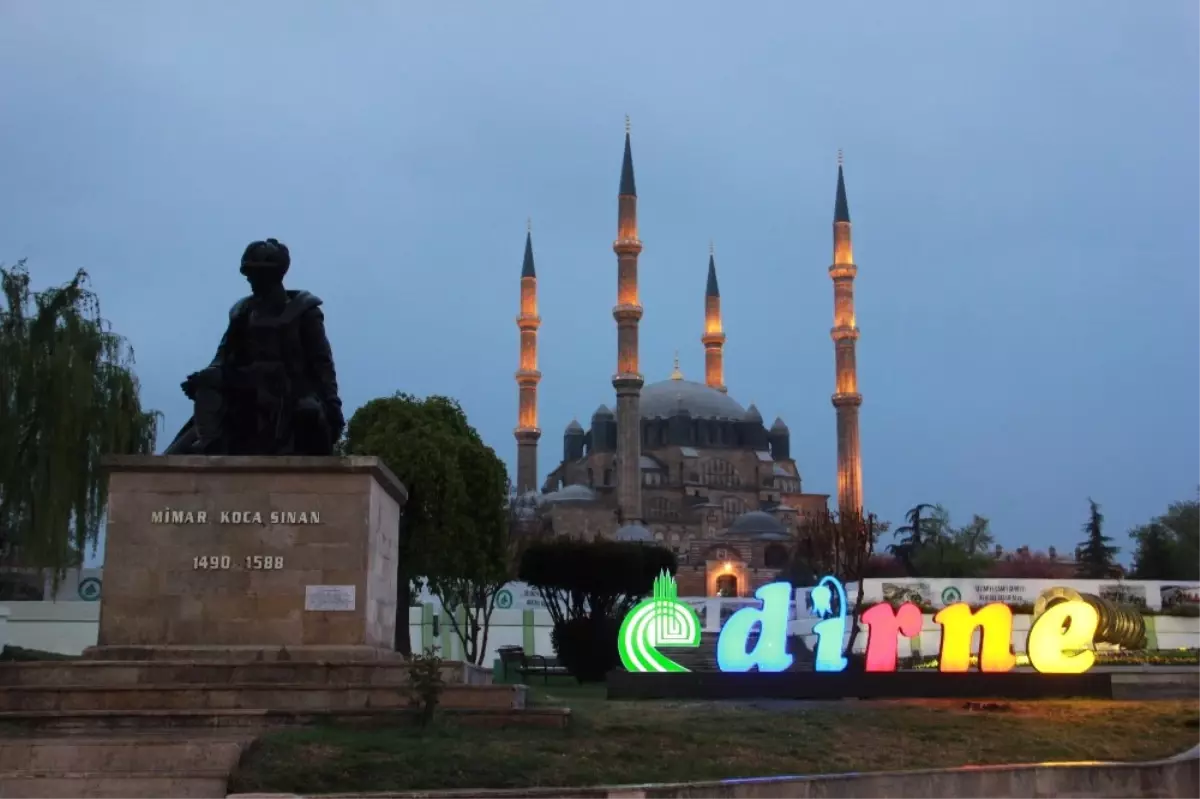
(588, 587)
(425, 684)
(587, 646)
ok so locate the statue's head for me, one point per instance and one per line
(264, 263)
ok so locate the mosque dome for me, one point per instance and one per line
(571, 493)
(603, 413)
(758, 524)
(574, 428)
(665, 398)
(634, 532)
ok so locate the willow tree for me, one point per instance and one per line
(68, 396)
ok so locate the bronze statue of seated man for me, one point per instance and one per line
(272, 388)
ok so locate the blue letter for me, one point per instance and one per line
(770, 653)
(829, 644)
(830, 632)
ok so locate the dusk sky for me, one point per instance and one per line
(1022, 178)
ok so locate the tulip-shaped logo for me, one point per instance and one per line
(662, 621)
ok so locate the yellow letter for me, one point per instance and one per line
(1066, 625)
(995, 647)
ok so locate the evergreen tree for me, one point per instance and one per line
(1153, 558)
(68, 396)
(1096, 552)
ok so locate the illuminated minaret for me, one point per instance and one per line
(714, 336)
(527, 432)
(846, 399)
(628, 312)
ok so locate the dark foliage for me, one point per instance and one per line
(588, 587)
(587, 646)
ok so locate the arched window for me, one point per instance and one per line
(775, 556)
(720, 473)
(727, 585)
(662, 508)
(731, 508)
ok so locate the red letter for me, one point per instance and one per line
(883, 625)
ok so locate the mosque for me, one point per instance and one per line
(683, 463)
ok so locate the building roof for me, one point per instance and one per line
(758, 524)
(634, 532)
(664, 399)
(571, 493)
(712, 289)
(574, 428)
(841, 208)
(527, 268)
(602, 413)
(628, 185)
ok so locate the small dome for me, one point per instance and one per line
(603, 413)
(634, 532)
(752, 415)
(779, 426)
(757, 524)
(571, 493)
(574, 428)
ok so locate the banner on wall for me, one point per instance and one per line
(939, 593)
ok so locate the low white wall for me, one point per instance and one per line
(64, 627)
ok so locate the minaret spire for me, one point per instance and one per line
(714, 333)
(628, 381)
(846, 399)
(528, 376)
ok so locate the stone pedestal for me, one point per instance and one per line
(249, 557)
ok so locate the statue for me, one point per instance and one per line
(271, 389)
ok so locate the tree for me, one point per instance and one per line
(454, 528)
(1096, 554)
(913, 536)
(843, 545)
(1168, 547)
(1030, 566)
(68, 397)
(588, 587)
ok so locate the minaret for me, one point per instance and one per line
(714, 336)
(846, 399)
(628, 312)
(528, 376)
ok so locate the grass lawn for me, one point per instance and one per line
(630, 742)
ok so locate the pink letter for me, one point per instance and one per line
(883, 625)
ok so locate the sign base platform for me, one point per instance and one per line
(812, 685)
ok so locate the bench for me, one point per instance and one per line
(514, 659)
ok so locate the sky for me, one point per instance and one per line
(1022, 178)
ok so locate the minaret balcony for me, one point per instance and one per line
(631, 246)
(630, 382)
(527, 433)
(528, 376)
(851, 400)
(844, 334)
(529, 321)
(627, 312)
(713, 339)
(843, 271)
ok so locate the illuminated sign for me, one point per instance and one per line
(756, 637)
(663, 621)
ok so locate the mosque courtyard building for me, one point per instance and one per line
(678, 462)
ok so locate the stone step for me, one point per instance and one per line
(127, 754)
(84, 722)
(154, 672)
(230, 696)
(85, 785)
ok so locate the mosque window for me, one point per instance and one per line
(659, 537)
(662, 508)
(731, 508)
(608, 477)
(718, 472)
(591, 478)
